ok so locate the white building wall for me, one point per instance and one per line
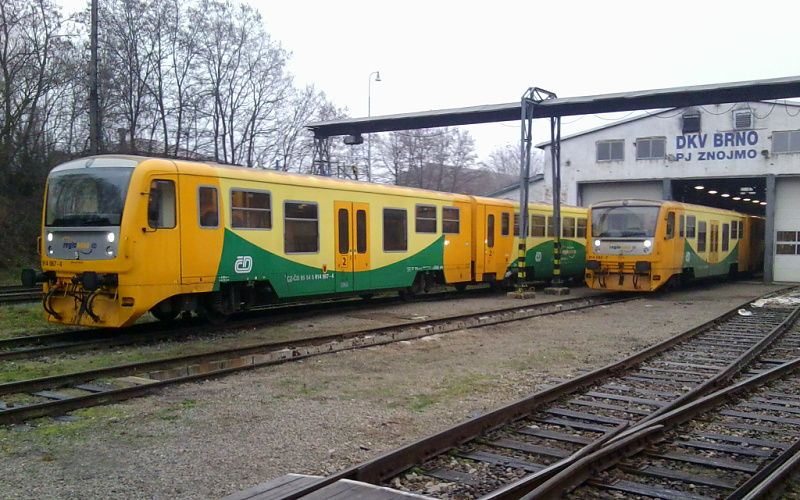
(717, 151)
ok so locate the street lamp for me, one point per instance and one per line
(369, 113)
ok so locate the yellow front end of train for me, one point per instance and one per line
(641, 245)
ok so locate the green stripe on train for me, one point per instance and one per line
(702, 268)
(244, 261)
(540, 258)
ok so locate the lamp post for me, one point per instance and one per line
(369, 113)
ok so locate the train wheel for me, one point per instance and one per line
(367, 296)
(407, 294)
(460, 287)
(165, 311)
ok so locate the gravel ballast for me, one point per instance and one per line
(323, 414)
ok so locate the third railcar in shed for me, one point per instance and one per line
(641, 245)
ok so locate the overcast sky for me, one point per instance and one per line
(437, 54)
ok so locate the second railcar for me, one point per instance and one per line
(641, 245)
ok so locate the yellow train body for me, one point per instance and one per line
(640, 245)
(124, 235)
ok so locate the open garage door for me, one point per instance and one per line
(596, 192)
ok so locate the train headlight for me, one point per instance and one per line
(648, 243)
(50, 250)
(110, 237)
(49, 236)
(597, 243)
(109, 251)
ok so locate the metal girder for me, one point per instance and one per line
(755, 90)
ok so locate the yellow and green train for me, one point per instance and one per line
(124, 235)
(641, 245)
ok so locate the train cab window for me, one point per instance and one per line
(725, 237)
(490, 231)
(425, 219)
(568, 227)
(395, 230)
(451, 218)
(538, 226)
(516, 224)
(735, 230)
(550, 231)
(208, 205)
(300, 227)
(251, 209)
(161, 205)
(682, 227)
(581, 231)
(691, 224)
(361, 231)
(344, 230)
(505, 222)
(701, 236)
(670, 232)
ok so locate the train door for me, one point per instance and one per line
(202, 232)
(491, 251)
(160, 232)
(351, 232)
(713, 247)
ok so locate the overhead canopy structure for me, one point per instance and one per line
(756, 90)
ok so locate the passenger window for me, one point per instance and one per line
(670, 233)
(550, 231)
(451, 220)
(725, 237)
(537, 226)
(161, 205)
(426, 219)
(395, 230)
(251, 209)
(490, 231)
(701, 236)
(300, 227)
(208, 206)
(734, 230)
(568, 227)
(344, 231)
(581, 233)
(361, 231)
(516, 224)
(682, 226)
(691, 223)
(504, 223)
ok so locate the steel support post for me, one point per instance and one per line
(321, 163)
(526, 139)
(769, 231)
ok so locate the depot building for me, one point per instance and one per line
(743, 157)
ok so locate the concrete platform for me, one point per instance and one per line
(340, 490)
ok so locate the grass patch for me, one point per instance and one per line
(543, 359)
(44, 432)
(24, 319)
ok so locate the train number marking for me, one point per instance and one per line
(688, 257)
(243, 264)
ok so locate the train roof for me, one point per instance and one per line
(207, 168)
(665, 203)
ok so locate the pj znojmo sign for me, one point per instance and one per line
(718, 146)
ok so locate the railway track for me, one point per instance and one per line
(510, 451)
(33, 346)
(14, 294)
(24, 400)
(740, 442)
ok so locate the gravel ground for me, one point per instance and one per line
(210, 439)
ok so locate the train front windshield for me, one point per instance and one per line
(624, 222)
(87, 196)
